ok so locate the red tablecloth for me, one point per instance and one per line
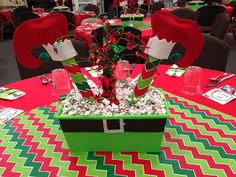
(87, 29)
(39, 95)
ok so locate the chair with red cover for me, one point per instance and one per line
(36, 32)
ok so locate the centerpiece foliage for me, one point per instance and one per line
(115, 40)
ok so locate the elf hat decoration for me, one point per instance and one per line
(36, 32)
(176, 30)
(168, 31)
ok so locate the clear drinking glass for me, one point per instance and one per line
(192, 81)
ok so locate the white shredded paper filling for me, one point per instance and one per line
(151, 103)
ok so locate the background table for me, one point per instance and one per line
(198, 140)
(144, 26)
(39, 95)
(83, 15)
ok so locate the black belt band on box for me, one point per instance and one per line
(147, 125)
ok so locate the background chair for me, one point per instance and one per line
(214, 54)
(16, 13)
(4, 25)
(91, 20)
(220, 26)
(83, 53)
(38, 4)
(70, 17)
(207, 15)
(111, 12)
(212, 2)
(185, 13)
(232, 25)
(232, 28)
(93, 8)
(157, 6)
(129, 55)
(26, 16)
(42, 5)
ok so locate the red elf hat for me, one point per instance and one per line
(186, 32)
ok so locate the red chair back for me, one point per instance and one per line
(36, 32)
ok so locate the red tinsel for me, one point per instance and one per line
(109, 88)
(106, 56)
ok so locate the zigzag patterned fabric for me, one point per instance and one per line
(78, 78)
(146, 77)
(198, 141)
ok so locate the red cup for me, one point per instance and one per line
(122, 70)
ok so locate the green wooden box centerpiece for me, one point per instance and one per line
(129, 116)
(133, 125)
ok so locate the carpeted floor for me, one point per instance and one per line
(8, 66)
(9, 71)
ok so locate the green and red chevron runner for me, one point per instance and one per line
(78, 78)
(146, 77)
(198, 141)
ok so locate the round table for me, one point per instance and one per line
(38, 94)
(197, 141)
